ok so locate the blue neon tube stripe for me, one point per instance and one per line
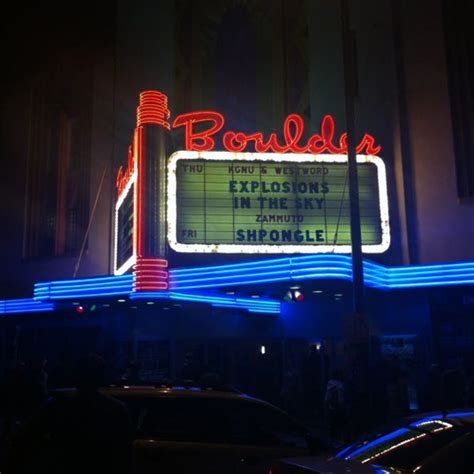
(299, 268)
(24, 306)
(323, 267)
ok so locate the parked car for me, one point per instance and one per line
(185, 429)
(182, 429)
(428, 443)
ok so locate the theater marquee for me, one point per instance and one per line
(273, 203)
(283, 191)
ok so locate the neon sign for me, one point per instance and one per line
(153, 109)
(294, 206)
(124, 176)
(293, 129)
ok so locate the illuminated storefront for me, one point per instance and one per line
(227, 227)
(282, 208)
(285, 196)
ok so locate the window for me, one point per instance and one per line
(263, 425)
(211, 420)
(183, 419)
(57, 180)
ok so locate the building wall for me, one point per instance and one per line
(56, 118)
(428, 222)
(445, 225)
(295, 64)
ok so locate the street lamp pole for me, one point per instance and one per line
(350, 92)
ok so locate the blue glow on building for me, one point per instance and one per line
(263, 305)
(194, 284)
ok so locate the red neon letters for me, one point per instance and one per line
(293, 129)
(199, 141)
(124, 176)
(200, 129)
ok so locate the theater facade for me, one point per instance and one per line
(214, 229)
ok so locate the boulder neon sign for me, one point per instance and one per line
(155, 112)
(293, 129)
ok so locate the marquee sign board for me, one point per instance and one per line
(273, 203)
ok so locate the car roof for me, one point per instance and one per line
(153, 391)
(413, 426)
(463, 416)
(128, 393)
(180, 391)
(344, 458)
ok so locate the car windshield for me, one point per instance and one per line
(214, 420)
(407, 445)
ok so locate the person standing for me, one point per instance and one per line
(334, 403)
(397, 393)
(313, 391)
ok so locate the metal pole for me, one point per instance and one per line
(350, 92)
(357, 330)
(89, 225)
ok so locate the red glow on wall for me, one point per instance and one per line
(293, 129)
(149, 274)
(153, 109)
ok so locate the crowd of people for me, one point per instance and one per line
(348, 404)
